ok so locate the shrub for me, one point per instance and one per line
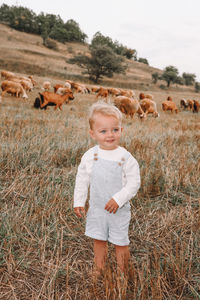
(51, 44)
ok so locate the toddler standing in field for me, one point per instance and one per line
(113, 176)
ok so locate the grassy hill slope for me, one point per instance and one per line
(25, 53)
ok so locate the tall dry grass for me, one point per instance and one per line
(44, 253)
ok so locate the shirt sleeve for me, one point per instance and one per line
(81, 184)
(132, 182)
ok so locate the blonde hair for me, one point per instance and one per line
(106, 109)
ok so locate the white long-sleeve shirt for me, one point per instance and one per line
(130, 178)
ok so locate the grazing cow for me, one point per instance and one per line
(144, 96)
(169, 98)
(95, 89)
(190, 104)
(79, 88)
(26, 83)
(103, 93)
(169, 105)
(129, 106)
(196, 106)
(5, 74)
(13, 88)
(183, 103)
(127, 93)
(149, 107)
(52, 99)
(57, 86)
(63, 90)
(46, 85)
(114, 92)
(67, 84)
(32, 80)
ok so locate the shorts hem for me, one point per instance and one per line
(96, 237)
(119, 243)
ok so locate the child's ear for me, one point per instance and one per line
(91, 133)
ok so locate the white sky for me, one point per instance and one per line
(164, 32)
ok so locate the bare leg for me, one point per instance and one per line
(100, 254)
(122, 256)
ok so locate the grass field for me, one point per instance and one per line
(44, 253)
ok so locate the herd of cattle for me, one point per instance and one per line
(124, 99)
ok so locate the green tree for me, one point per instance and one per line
(99, 39)
(74, 32)
(180, 80)
(59, 33)
(197, 87)
(101, 62)
(170, 75)
(143, 60)
(155, 76)
(129, 53)
(19, 17)
(189, 78)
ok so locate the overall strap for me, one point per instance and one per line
(124, 158)
(96, 152)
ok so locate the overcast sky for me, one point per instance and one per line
(164, 32)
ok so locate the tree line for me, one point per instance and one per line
(52, 26)
(106, 56)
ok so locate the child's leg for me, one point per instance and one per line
(122, 257)
(100, 254)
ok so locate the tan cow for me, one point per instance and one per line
(144, 96)
(46, 85)
(5, 74)
(149, 107)
(129, 106)
(13, 88)
(190, 104)
(169, 105)
(196, 106)
(103, 93)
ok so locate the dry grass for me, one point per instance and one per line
(44, 253)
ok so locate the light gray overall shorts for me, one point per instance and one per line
(106, 180)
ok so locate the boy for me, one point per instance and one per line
(113, 176)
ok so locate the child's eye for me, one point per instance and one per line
(103, 131)
(116, 129)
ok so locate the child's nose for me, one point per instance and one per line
(110, 133)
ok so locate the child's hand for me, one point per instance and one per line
(111, 206)
(79, 211)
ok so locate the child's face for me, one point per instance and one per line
(106, 131)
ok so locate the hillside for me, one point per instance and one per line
(25, 53)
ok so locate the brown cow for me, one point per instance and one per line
(196, 106)
(129, 106)
(149, 107)
(52, 99)
(103, 93)
(57, 86)
(13, 88)
(169, 98)
(144, 96)
(183, 103)
(5, 74)
(190, 104)
(169, 105)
